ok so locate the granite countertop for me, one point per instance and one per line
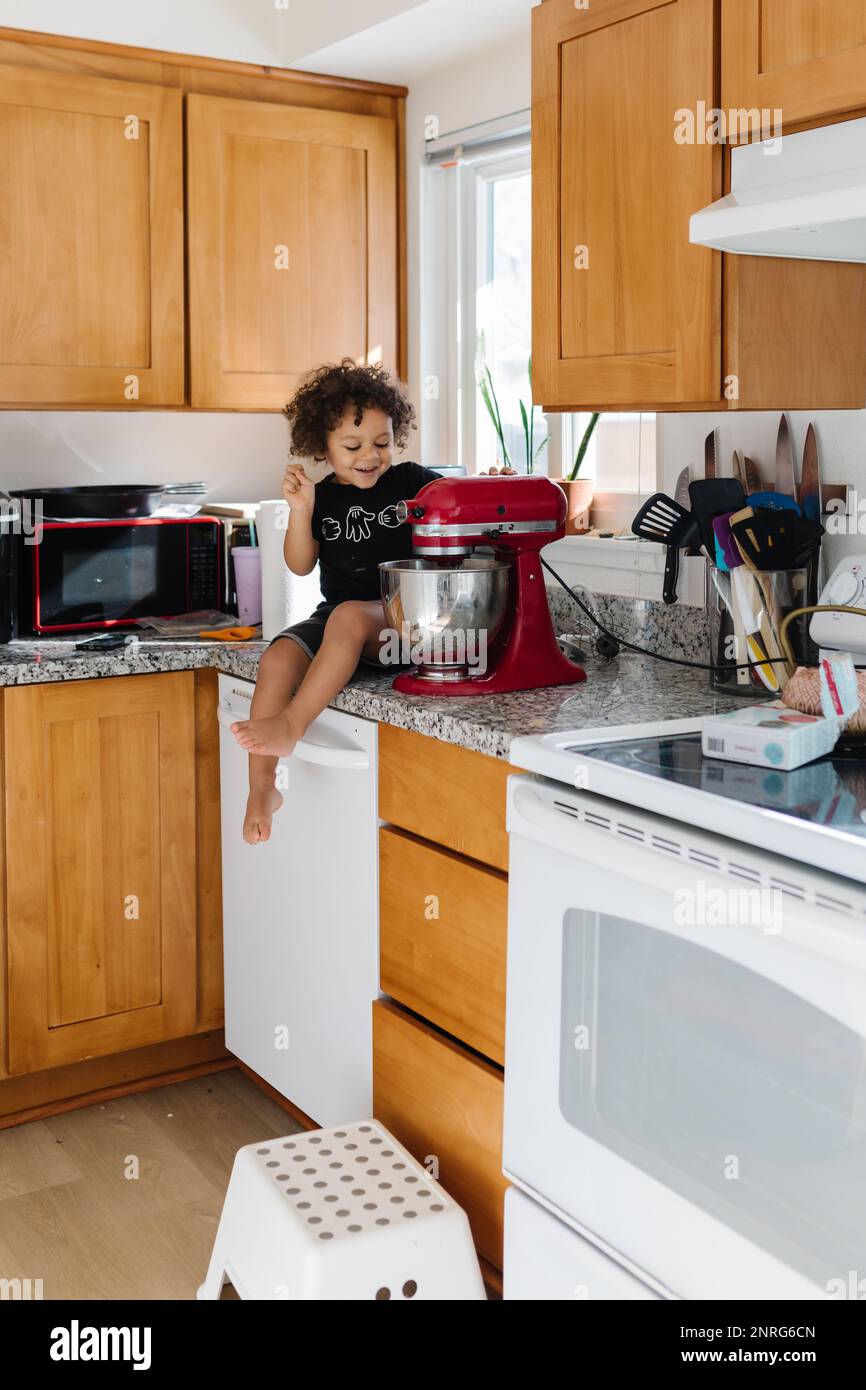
(628, 690)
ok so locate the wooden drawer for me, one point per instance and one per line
(444, 1103)
(450, 795)
(442, 932)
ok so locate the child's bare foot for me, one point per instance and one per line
(274, 737)
(262, 803)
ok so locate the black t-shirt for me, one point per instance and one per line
(357, 529)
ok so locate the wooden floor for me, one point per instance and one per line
(70, 1215)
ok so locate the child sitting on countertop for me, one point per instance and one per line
(354, 417)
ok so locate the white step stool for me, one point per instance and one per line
(341, 1213)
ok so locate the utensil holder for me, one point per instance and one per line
(745, 609)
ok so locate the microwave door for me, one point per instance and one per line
(692, 1095)
(96, 574)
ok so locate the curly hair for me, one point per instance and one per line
(323, 397)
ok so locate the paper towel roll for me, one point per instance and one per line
(286, 597)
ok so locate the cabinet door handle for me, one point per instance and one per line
(343, 755)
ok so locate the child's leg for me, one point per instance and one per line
(281, 669)
(352, 631)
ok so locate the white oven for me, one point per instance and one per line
(686, 1049)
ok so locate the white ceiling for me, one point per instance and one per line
(251, 31)
(307, 26)
(424, 39)
(389, 40)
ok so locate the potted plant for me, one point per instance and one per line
(488, 394)
(579, 491)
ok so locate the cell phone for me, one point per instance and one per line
(103, 642)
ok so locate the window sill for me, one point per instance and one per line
(629, 567)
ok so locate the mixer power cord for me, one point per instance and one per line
(618, 642)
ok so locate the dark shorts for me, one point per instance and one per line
(309, 633)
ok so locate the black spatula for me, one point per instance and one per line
(712, 497)
(773, 540)
(664, 520)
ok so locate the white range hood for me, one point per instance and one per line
(800, 196)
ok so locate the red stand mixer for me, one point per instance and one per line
(451, 603)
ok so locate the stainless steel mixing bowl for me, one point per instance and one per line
(448, 614)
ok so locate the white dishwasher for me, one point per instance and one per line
(300, 915)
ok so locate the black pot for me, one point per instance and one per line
(106, 501)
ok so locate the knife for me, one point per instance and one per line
(681, 495)
(810, 488)
(785, 482)
(739, 470)
(811, 507)
(681, 491)
(754, 481)
(710, 455)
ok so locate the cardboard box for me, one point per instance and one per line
(768, 735)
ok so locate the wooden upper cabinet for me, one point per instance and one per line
(806, 58)
(91, 241)
(292, 246)
(100, 867)
(625, 310)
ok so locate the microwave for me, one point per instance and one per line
(107, 573)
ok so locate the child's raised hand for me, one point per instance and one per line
(298, 491)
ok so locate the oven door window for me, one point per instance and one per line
(95, 574)
(722, 1085)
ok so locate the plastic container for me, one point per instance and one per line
(745, 612)
(248, 583)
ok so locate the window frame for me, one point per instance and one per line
(454, 232)
(485, 173)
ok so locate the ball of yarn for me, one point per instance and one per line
(803, 693)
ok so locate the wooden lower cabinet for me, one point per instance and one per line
(442, 933)
(102, 868)
(445, 1104)
(452, 796)
(208, 831)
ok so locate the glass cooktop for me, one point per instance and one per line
(830, 792)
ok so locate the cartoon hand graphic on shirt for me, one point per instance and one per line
(358, 524)
(391, 516)
(330, 529)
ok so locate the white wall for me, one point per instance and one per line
(240, 456)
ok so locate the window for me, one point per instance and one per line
(621, 455)
(500, 296)
(477, 277)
